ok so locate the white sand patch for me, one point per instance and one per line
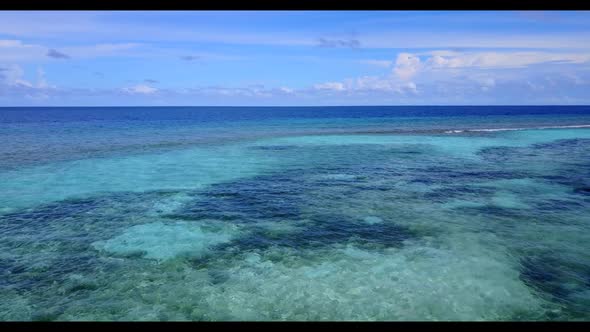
(162, 241)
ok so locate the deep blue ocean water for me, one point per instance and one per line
(309, 213)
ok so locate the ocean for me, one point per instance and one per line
(295, 213)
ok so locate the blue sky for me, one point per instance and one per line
(294, 58)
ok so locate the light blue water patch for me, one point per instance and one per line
(162, 241)
(514, 193)
(372, 220)
(184, 169)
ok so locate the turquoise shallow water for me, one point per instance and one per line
(340, 215)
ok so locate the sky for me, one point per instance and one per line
(294, 58)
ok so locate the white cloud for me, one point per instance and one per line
(534, 86)
(479, 68)
(10, 43)
(14, 84)
(101, 50)
(368, 84)
(41, 80)
(80, 26)
(83, 25)
(408, 87)
(255, 91)
(502, 60)
(407, 65)
(415, 39)
(486, 83)
(16, 50)
(286, 90)
(333, 86)
(13, 76)
(140, 89)
(374, 83)
(447, 72)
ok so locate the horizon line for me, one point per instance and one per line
(304, 106)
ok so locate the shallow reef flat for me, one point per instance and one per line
(442, 226)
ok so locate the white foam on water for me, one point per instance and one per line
(453, 146)
(512, 129)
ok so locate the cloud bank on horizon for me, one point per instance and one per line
(294, 58)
